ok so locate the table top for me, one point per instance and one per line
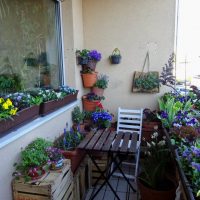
(110, 141)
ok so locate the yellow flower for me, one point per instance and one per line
(9, 102)
(13, 111)
(5, 106)
(1, 100)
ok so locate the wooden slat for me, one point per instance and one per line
(102, 140)
(129, 121)
(133, 143)
(85, 141)
(124, 148)
(130, 116)
(108, 143)
(129, 111)
(129, 126)
(115, 146)
(94, 140)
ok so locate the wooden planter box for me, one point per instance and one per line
(50, 106)
(55, 185)
(22, 117)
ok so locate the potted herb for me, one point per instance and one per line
(100, 85)
(91, 101)
(102, 119)
(68, 143)
(153, 181)
(89, 77)
(34, 160)
(56, 157)
(115, 58)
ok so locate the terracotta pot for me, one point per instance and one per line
(147, 193)
(97, 91)
(50, 106)
(76, 156)
(89, 105)
(22, 117)
(89, 79)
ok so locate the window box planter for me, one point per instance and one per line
(22, 117)
(50, 106)
(76, 156)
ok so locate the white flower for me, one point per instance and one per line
(148, 145)
(161, 143)
(59, 94)
(153, 143)
(154, 135)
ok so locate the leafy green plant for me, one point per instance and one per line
(154, 166)
(102, 81)
(33, 156)
(9, 83)
(148, 81)
(77, 115)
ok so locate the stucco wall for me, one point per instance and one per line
(73, 39)
(134, 26)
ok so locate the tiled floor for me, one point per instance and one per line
(119, 185)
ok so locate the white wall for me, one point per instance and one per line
(134, 26)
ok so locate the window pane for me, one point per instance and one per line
(28, 47)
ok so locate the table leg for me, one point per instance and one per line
(118, 166)
(106, 179)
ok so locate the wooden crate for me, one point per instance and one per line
(81, 180)
(54, 185)
(102, 162)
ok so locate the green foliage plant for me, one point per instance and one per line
(102, 81)
(148, 81)
(77, 115)
(34, 155)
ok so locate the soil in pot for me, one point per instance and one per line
(166, 191)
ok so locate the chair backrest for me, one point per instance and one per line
(130, 121)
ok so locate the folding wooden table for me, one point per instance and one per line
(117, 146)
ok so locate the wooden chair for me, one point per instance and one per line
(130, 121)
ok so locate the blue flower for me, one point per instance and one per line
(164, 114)
(196, 166)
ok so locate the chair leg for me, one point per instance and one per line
(137, 163)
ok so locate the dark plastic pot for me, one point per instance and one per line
(115, 59)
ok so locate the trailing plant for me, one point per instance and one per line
(102, 81)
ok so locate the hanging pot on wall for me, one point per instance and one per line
(97, 91)
(115, 58)
(89, 79)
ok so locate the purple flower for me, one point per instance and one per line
(94, 55)
(196, 151)
(164, 114)
(196, 166)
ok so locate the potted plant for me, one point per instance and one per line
(146, 82)
(68, 143)
(34, 160)
(153, 181)
(56, 157)
(100, 85)
(93, 57)
(115, 58)
(77, 118)
(101, 119)
(91, 101)
(89, 77)
(82, 56)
